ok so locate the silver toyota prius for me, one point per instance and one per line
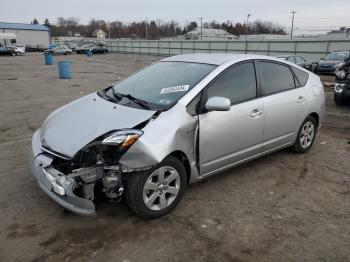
(173, 123)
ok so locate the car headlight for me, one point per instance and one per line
(122, 138)
(341, 74)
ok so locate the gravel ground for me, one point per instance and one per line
(282, 207)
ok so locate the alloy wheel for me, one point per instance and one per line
(161, 188)
(307, 134)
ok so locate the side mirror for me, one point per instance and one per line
(218, 104)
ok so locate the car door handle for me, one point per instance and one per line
(301, 99)
(256, 113)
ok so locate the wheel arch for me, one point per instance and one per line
(316, 117)
(184, 160)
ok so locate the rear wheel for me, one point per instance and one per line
(306, 136)
(339, 99)
(13, 54)
(154, 193)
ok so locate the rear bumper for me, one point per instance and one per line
(56, 186)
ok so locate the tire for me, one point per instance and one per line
(339, 100)
(161, 197)
(13, 54)
(18, 53)
(105, 52)
(306, 137)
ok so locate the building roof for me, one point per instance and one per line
(21, 26)
(214, 58)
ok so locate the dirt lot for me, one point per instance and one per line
(283, 207)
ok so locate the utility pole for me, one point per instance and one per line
(246, 26)
(201, 18)
(146, 28)
(291, 33)
(109, 30)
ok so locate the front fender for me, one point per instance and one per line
(173, 130)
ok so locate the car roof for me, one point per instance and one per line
(214, 59)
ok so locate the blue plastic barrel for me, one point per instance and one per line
(64, 69)
(48, 58)
(88, 53)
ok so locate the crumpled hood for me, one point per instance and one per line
(76, 124)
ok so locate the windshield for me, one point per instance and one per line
(336, 56)
(164, 83)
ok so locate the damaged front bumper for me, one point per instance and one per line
(57, 186)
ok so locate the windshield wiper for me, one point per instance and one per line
(138, 101)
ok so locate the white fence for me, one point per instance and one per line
(312, 50)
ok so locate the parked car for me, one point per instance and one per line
(41, 48)
(7, 50)
(20, 50)
(98, 49)
(300, 61)
(331, 62)
(175, 122)
(30, 48)
(59, 50)
(95, 49)
(74, 47)
(342, 85)
(37, 48)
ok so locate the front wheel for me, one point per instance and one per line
(339, 99)
(154, 193)
(306, 136)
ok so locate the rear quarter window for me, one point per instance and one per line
(275, 78)
(302, 77)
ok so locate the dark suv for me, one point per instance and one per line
(331, 62)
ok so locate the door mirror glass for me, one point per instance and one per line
(218, 104)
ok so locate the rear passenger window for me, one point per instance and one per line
(301, 76)
(238, 84)
(275, 78)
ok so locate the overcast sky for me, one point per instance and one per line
(312, 15)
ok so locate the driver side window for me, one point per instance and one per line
(237, 84)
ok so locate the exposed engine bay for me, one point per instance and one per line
(97, 163)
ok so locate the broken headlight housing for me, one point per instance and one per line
(122, 138)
